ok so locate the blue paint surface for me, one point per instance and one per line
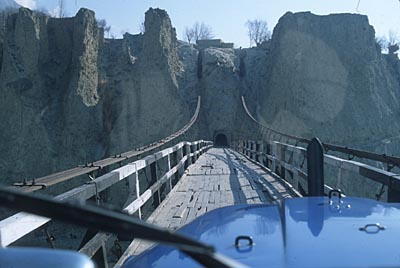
(303, 232)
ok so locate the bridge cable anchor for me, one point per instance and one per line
(381, 192)
(94, 182)
(49, 238)
(33, 183)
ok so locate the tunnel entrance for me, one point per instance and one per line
(221, 141)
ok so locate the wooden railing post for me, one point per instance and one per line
(201, 146)
(268, 151)
(274, 153)
(251, 149)
(179, 156)
(315, 168)
(264, 158)
(193, 149)
(198, 151)
(169, 168)
(187, 153)
(259, 151)
(137, 186)
(153, 175)
(394, 190)
(282, 157)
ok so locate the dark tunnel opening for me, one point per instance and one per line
(221, 141)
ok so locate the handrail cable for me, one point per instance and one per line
(390, 160)
(43, 182)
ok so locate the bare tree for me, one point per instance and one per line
(103, 24)
(198, 31)
(393, 42)
(142, 28)
(389, 44)
(382, 42)
(188, 34)
(258, 31)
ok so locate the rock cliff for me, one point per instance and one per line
(46, 97)
(324, 75)
(71, 96)
(141, 85)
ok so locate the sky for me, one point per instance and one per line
(227, 18)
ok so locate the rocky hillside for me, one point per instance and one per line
(326, 77)
(70, 96)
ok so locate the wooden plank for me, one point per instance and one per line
(138, 202)
(180, 212)
(211, 199)
(174, 223)
(201, 210)
(62, 176)
(193, 200)
(197, 193)
(56, 178)
(94, 244)
(20, 224)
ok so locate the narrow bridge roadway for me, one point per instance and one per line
(220, 177)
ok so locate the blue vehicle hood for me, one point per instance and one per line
(303, 232)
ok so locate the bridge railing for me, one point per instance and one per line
(389, 161)
(354, 178)
(175, 160)
(365, 177)
(96, 166)
(101, 180)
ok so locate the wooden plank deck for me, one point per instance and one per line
(220, 177)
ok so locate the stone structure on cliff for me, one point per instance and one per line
(71, 96)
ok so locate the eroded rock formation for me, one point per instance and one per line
(71, 96)
(326, 77)
(48, 85)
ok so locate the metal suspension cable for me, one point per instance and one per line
(390, 160)
(43, 182)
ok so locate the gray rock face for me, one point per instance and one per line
(188, 80)
(71, 96)
(220, 90)
(325, 77)
(145, 97)
(45, 96)
(84, 78)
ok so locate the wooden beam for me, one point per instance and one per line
(94, 244)
(20, 224)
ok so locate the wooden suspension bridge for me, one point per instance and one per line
(172, 181)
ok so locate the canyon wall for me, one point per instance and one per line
(70, 96)
(326, 77)
(50, 112)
